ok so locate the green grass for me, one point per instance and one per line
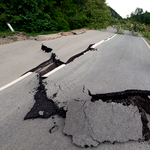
(146, 34)
(41, 33)
(8, 33)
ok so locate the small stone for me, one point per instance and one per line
(41, 113)
(3, 36)
(53, 129)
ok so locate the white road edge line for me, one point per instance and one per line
(56, 69)
(15, 81)
(145, 42)
(103, 41)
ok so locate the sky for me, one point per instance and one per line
(125, 7)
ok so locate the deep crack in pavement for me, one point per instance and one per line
(47, 66)
(44, 107)
(53, 62)
(80, 54)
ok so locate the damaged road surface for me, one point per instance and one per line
(19, 57)
(98, 101)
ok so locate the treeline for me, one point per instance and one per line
(140, 16)
(53, 15)
(114, 14)
(141, 19)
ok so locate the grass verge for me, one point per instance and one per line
(146, 34)
(8, 33)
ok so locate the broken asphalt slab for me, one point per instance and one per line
(111, 119)
(90, 124)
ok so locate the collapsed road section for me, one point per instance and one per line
(113, 117)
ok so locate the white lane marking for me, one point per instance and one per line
(56, 69)
(145, 42)
(97, 44)
(103, 41)
(15, 81)
(113, 36)
(107, 39)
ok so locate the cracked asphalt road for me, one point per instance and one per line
(19, 57)
(119, 64)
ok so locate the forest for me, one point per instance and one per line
(53, 15)
(142, 20)
(43, 16)
(140, 16)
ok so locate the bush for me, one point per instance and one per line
(120, 29)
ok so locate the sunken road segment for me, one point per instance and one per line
(127, 104)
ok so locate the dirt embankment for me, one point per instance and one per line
(22, 36)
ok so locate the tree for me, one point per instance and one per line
(138, 11)
(50, 15)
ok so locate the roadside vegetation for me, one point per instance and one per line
(35, 17)
(40, 16)
(139, 21)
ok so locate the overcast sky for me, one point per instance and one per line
(125, 7)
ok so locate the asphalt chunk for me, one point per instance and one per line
(46, 49)
(54, 129)
(139, 98)
(90, 123)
